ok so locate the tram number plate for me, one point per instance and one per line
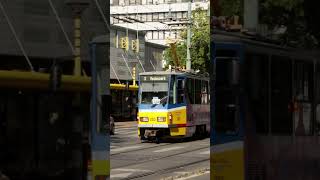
(149, 133)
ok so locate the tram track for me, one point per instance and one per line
(161, 171)
(155, 146)
(159, 158)
(139, 149)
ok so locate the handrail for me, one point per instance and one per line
(37, 80)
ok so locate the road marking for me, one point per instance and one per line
(169, 149)
(205, 152)
(182, 172)
(125, 148)
(131, 170)
(122, 175)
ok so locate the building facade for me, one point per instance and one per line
(149, 58)
(161, 19)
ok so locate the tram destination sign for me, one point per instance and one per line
(154, 78)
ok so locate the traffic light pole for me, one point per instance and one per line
(188, 63)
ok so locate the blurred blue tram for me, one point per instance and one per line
(265, 110)
(56, 134)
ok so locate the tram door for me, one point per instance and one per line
(228, 143)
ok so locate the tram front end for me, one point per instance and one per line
(157, 116)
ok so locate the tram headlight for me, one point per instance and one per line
(161, 119)
(144, 119)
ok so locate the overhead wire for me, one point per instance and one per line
(16, 36)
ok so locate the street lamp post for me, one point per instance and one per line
(78, 6)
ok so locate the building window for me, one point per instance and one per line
(132, 2)
(155, 35)
(143, 2)
(149, 35)
(149, 17)
(155, 17)
(179, 15)
(143, 17)
(161, 35)
(166, 34)
(161, 16)
(184, 14)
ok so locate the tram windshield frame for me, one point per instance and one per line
(154, 89)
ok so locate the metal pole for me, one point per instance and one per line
(77, 36)
(188, 63)
(133, 76)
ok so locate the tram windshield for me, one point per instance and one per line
(154, 90)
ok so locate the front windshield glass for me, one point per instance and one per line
(154, 92)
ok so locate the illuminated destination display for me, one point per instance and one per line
(153, 78)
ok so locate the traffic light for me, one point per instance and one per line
(124, 43)
(135, 45)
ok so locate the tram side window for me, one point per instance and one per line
(204, 92)
(180, 91)
(257, 85)
(190, 90)
(197, 91)
(303, 81)
(303, 89)
(173, 90)
(281, 94)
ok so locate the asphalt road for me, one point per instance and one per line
(131, 159)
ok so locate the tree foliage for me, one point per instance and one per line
(200, 43)
(298, 16)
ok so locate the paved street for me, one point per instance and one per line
(131, 159)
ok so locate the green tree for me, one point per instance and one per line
(298, 16)
(200, 43)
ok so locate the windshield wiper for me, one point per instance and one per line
(164, 99)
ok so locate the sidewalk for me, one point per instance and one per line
(126, 124)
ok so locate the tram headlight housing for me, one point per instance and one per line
(170, 118)
(161, 119)
(144, 119)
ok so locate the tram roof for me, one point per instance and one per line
(262, 45)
